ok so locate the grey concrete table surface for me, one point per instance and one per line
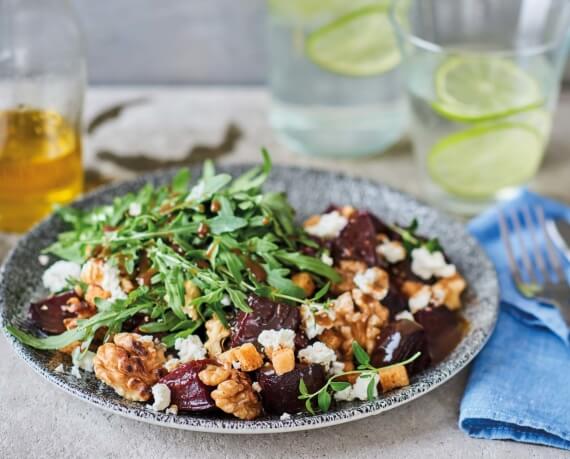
(38, 420)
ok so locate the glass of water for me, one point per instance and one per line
(334, 75)
(482, 78)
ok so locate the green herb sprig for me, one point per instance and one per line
(364, 370)
(412, 241)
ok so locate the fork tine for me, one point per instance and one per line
(550, 250)
(533, 229)
(508, 248)
(524, 253)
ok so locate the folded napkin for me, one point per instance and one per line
(519, 387)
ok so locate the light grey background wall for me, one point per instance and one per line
(174, 41)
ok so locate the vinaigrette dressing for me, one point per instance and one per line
(40, 166)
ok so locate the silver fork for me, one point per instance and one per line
(555, 292)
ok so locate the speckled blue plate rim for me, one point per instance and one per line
(306, 188)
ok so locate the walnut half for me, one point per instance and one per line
(234, 393)
(131, 365)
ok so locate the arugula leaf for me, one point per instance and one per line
(181, 181)
(311, 264)
(226, 224)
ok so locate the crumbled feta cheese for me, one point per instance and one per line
(329, 225)
(318, 353)
(111, 280)
(360, 387)
(75, 372)
(190, 348)
(426, 264)
(327, 259)
(309, 321)
(147, 338)
(172, 409)
(236, 365)
(405, 315)
(344, 395)
(171, 364)
(359, 390)
(43, 260)
(59, 368)
(197, 192)
(85, 361)
(161, 395)
(135, 209)
(420, 299)
(285, 416)
(274, 339)
(372, 282)
(226, 301)
(55, 277)
(336, 368)
(392, 251)
(256, 387)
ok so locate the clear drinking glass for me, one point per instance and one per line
(334, 76)
(482, 78)
(42, 83)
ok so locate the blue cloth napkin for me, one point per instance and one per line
(519, 387)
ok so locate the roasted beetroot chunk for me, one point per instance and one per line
(444, 330)
(266, 315)
(186, 390)
(48, 314)
(395, 301)
(399, 341)
(357, 240)
(280, 394)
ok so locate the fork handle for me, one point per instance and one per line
(563, 308)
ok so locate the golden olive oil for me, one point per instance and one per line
(40, 166)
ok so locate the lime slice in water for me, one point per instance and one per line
(482, 160)
(539, 119)
(360, 43)
(305, 10)
(475, 88)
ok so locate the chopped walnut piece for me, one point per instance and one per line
(81, 309)
(393, 377)
(245, 357)
(236, 396)
(359, 317)
(94, 292)
(213, 375)
(92, 272)
(347, 270)
(305, 281)
(217, 333)
(347, 211)
(450, 288)
(131, 365)
(410, 288)
(127, 285)
(331, 338)
(191, 292)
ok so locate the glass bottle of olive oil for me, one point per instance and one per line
(42, 81)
